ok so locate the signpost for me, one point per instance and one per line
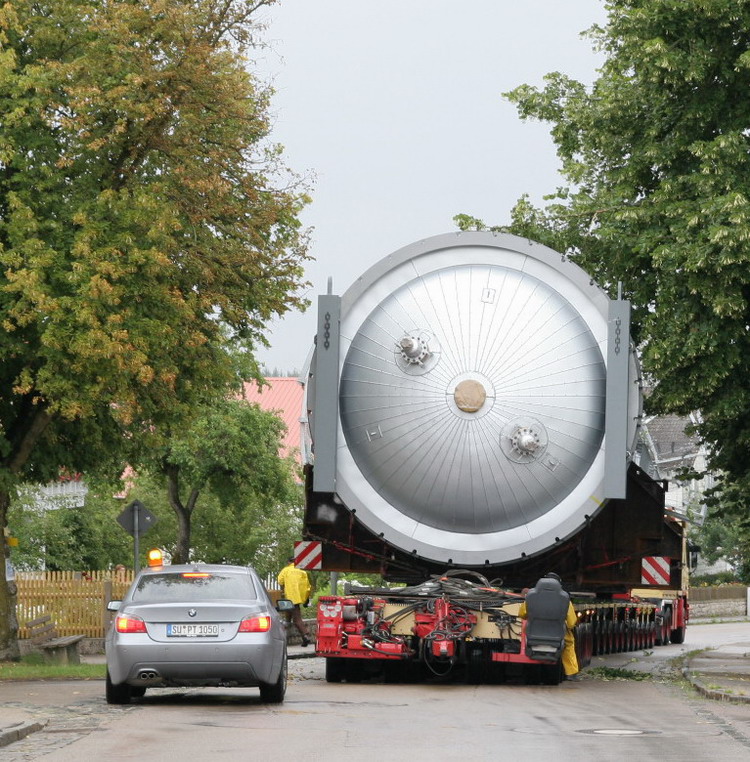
(136, 520)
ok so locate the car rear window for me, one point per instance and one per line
(180, 588)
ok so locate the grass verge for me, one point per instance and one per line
(33, 667)
(617, 673)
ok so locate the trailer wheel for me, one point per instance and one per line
(532, 674)
(354, 670)
(619, 637)
(596, 647)
(677, 636)
(660, 633)
(551, 674)
(335, 669)
(663, 631)
(475, 666)
(394, 671)
(584, 644)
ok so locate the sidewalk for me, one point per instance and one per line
(722, 673)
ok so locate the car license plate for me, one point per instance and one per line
(192, 630)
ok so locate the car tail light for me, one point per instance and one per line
(129, 624)
(256, 624)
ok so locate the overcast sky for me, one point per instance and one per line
(396, 107)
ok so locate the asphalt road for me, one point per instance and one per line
(599, 719)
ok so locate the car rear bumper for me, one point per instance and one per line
(195, 664)
(192, 673)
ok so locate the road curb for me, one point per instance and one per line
(713, 693)
(16, 732)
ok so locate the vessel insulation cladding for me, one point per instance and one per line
(471, 398)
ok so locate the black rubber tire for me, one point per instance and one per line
(610, 638)
(659, 639)
(475, 667)
(664, 628)
(587, 650)
(532, 674)
(354, 670)
(677, 636)
(551, 674)
(393, 672)
(273, 693)
(335, 669)
(137, 691)
(117, 694)
(598, 645)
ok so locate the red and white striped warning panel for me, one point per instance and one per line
(308, 555)
(655, 570)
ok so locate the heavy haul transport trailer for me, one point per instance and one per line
(449, 624)
(473, 402)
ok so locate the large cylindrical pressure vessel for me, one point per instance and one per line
(471, 402)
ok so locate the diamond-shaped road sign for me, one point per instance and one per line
(127, 519)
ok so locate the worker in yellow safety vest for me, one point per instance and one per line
(296, 586)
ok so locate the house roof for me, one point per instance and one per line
(282, 396)
(670, 441)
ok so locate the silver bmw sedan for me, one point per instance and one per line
(196, 625)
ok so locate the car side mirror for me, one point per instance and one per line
(284, 604)
(114, 605)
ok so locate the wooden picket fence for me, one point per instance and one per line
(725, 593)
(76, 601)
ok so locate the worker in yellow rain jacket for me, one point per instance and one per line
(569, 658)
(296, 586)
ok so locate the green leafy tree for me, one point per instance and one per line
(70, 538)
(229, 455)
(147, 224)
(726, 532)
(657, 156)
(239, 526)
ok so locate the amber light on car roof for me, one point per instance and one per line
(196, 574)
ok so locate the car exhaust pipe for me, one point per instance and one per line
(148, 674)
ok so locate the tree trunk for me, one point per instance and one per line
(8, 623)
(182, 548)
(26, 433)
(184, 514)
